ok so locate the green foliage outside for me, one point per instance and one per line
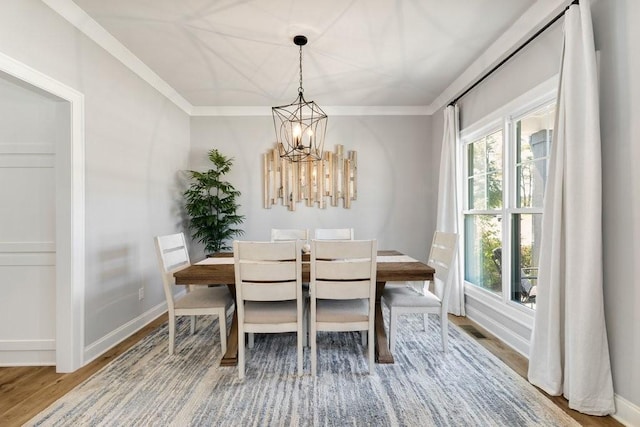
(212, 205)
(488, 229)
(490, 241)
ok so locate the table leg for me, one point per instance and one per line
(230, 358)
(383, 355)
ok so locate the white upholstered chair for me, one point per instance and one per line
(283, 235)
(343, 288)
(333, 234)
(268, 292)
(199, 300)
(409, 300)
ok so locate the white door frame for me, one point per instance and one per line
(70, 218)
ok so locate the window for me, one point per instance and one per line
(505, 173)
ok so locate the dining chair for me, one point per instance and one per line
(333, 234)
(268, 292)
(282, 234)
(420, 300)
(338, 234)
(343, 289)
(198, 300)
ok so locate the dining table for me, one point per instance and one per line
(391, 266)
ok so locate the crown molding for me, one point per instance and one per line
(524, 27)
(229, 111)
(377, 110)
(87, 25)
(336, 110)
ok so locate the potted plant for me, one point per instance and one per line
(211, 204)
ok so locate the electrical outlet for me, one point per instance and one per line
(140, 294)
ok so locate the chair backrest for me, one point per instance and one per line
(443, 251)
(267, 271)
(283, 235)
(343, 269)
(333, 234)
(173, 256)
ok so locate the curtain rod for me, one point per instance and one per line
(512, 54)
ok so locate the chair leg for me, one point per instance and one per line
(240, 352)
(193, 325)
(314, 356)
(300, 336)
(393, 325)
(222, 323)
(363, 337)
(371, 350)
(251, 340)
(425, 320)
(172, 333)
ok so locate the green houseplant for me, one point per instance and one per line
(211, 204)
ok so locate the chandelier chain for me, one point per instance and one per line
(300, 89)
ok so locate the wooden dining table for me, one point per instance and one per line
(391, 266)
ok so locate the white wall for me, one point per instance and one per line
(136, 141)
(396, 191)
(616, 35)
(536, 63)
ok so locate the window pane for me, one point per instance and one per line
(494, 151)
(484, 173)
(494, 190)
(477, 157)
(482, 251)
(533, 140)
(527, 229)
(530, 183)
(477, 193)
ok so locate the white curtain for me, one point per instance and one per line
(447, 215)
(569, 349)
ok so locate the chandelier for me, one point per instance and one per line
(300, 126)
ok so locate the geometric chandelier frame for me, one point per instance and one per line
(300, 126)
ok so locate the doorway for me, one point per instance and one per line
(42, 159)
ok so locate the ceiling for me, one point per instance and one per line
(360, 52)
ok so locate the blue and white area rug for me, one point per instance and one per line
(425, 387)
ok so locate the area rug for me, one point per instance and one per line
(146, 387)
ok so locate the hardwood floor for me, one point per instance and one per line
(25, 391)
(520, 365)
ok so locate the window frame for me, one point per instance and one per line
(503, 119)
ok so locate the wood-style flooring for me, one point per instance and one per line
(25, 391)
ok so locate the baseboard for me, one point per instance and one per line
(626, 412)
(506, 335)
(28, 352)
(95, 349)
